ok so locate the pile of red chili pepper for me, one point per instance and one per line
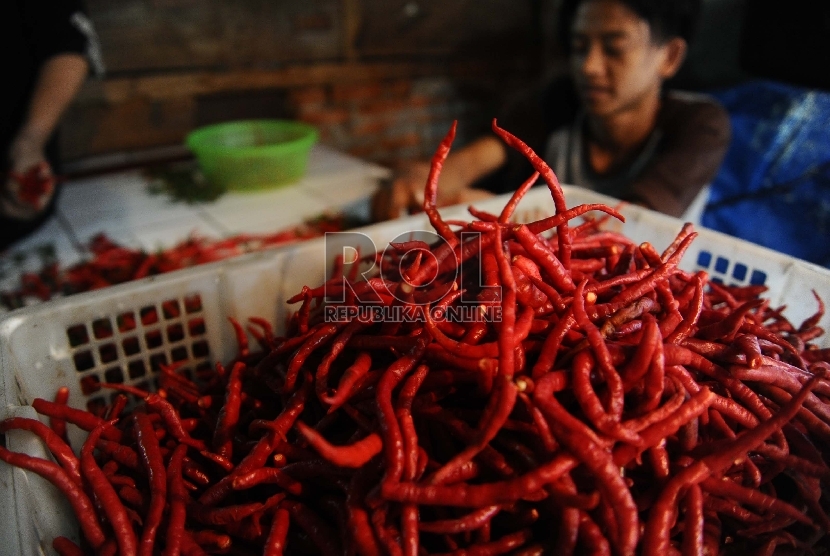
(604, 402)
(110, 263)
(35, 186)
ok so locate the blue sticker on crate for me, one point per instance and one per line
(758, 278)
(719, 268)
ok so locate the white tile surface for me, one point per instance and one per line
(267, 211)
(25, 256)
(52, 234)
(120, 206)
(167, 234)
(113, 229)
(122, 197)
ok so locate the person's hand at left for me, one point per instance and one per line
(30, 184)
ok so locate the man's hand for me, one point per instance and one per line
(460, 171)
(406, 193)
(30, 184)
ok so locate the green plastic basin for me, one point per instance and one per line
(253, 154)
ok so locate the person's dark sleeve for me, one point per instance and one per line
(695, 139)
(59, 27)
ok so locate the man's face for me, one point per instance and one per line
(614, 61)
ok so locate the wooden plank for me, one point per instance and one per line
(193, 83)
(448, 27)
(169, 35)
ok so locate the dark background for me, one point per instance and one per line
(381, 79)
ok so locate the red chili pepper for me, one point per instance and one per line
(56, 445)
(112, 507)
(553, 184)
(276, 543)
(80, 502)
(645, 393)
(83, 419)
(354, 455)
(65, 547)
(151, 459)
(34, 185)
(229, 414)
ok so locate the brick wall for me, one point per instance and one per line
(388, 120)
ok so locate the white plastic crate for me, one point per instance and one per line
(111, 335)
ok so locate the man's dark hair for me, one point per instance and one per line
(666, 18)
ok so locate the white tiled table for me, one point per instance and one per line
(120, 206)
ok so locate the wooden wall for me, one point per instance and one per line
(378, 77)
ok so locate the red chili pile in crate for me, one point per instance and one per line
(109, 263)
(603, 402)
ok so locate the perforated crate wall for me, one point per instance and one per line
(131, 346)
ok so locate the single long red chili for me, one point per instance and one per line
(592, 536)
(268, 475)
(151, 459)
(516, 198)
(568, 532)
(62, 452)
(210, 515)
(403, 412)
(171, 417)
(66, 547)
(639, 364)
(348, 380)
(177, 500)
(277, 539)
(466, 495)
(693, 522)
(59, 425)
(431, 189)
(241, 338)
(357, 516)
(229, 414)
(81, 504)
(545, 258)
(111, 505)
(600, 349)
(553, 185)
(83, 419)
(469, 522)
(353, 455)
(393, 448)
(752, 497)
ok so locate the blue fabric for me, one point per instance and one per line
(774, 186)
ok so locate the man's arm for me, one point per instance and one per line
(694, 144)
(59, 80)
(461, 170)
